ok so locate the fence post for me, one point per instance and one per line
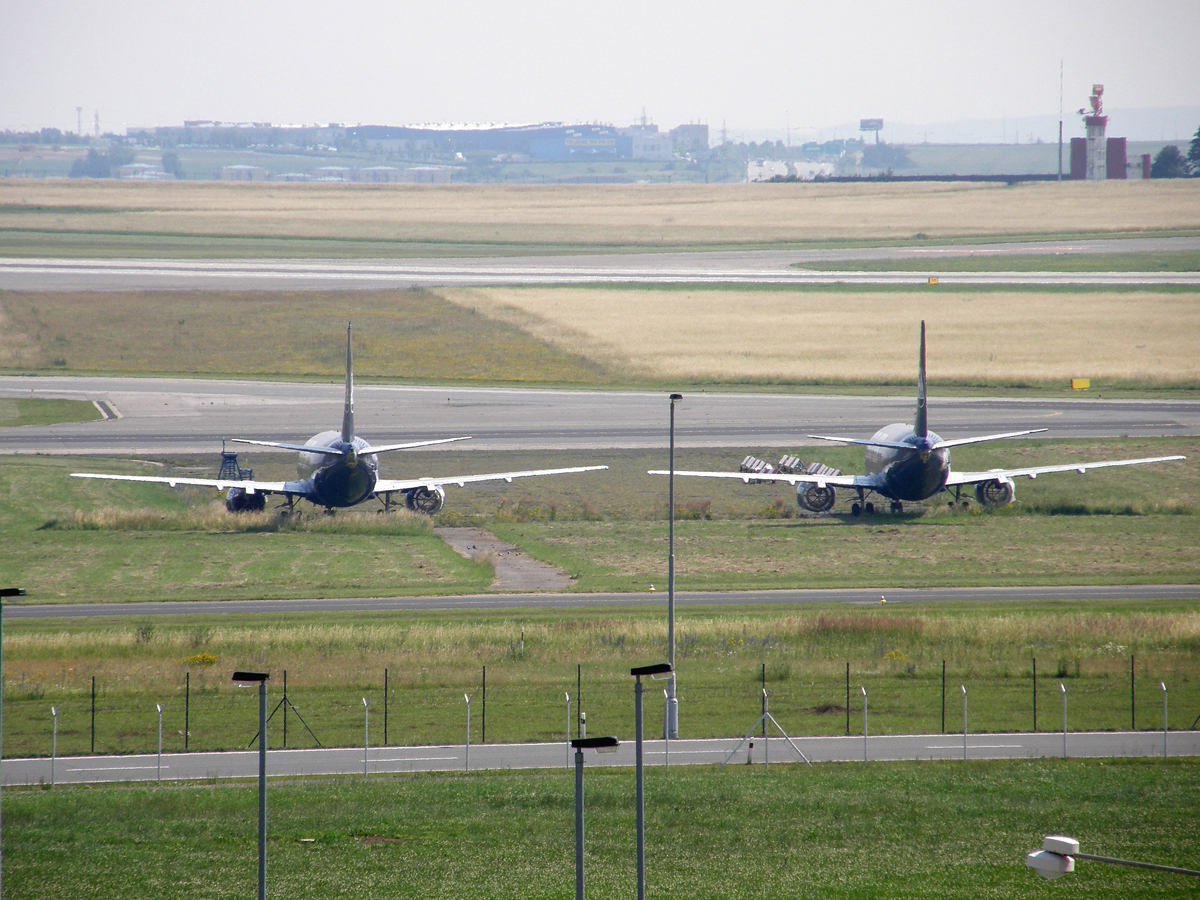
(943, 696)
(578, 699)
(1035, 695)
(764, 699)
(483, 711)
(1132, 696)
(187, 708)
(93, 715)
(1163, 684)
(385, 706)
(285, 706)
(1063, 688)
(847, 697)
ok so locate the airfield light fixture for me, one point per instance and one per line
(366, 732)
(158, 773)
(1163, 685)
(671, 725)
(637, 672)
(863, 688)
(1058, 854)
(260, 678)
(467, 745)
(600, 745)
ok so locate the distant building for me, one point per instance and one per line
(651, 146)
(142, 172)
(690, 138)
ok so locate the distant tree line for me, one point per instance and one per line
(46, 136)
(101, 165)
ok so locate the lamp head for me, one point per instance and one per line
(656, 669)
(251, 677)
(600, 744)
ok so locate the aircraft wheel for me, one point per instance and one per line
(855, 509)
(966, 504)
(869, 509)
(951, 504)
(897, 506)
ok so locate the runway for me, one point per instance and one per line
(177, 415)
(460, 758)
(713, 267)
(853, 596)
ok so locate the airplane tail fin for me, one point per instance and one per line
(348, 408)
(921, 421)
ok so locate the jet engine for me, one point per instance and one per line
(237, 500)
(997, 492)
(425, 500)
(814, 499)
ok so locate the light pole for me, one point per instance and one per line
(1062, 687)
(637, 673)
(671, 726)
(1058, 854)
(366, 732)
(467, 745)
(261, 679)
(4, 592)
(53, 743)
(864, 693)
(1163, 685)
(600, 745)
(158, 774)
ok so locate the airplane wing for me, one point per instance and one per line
(1035, 471)
(864, 481)
(250, 487)
(386, 486)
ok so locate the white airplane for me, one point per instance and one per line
(338, 469)
(910, 462)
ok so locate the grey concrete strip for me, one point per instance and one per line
(515, 569)
(714, 751)
(868, 596)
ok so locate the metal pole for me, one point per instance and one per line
(1163, 684)
(467, 745)
(766, 734)
(847, 698)
(385, 706)
(2, 733)
(578, 698)
(158, 775)
(578, 823)
(285, 706)
(1132, 696)
(568, 696)
(666, 737)
(641, 795)
(1063, 688)
(94, 715)
(262, 790)
(187, 707)
(1035, 695)
(366, 732)
(672, 729)
(764, 698)
(483, 711)
(53, 743)
(943, 696)
(964, 693)
(864, 693)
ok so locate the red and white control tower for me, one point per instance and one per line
(1096, 123)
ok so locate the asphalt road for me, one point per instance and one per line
(869, 596)
(390, 760)
(726, 266)
(176, 415)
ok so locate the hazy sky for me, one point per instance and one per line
(756, 66)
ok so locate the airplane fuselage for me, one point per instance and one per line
(915, 474)
(338, 481)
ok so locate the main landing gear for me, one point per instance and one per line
(958, 501)
(857, 509)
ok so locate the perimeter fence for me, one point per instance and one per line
(107, 718)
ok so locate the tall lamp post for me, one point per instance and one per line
(638, 672)
(600, 745)
(4, 592)
(671, 726)
(261, 679)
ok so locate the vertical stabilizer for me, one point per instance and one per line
(921, 422)
(348, 409)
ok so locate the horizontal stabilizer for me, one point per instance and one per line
(895, 445)
(958, 442)
(384, 448)
(327, 451)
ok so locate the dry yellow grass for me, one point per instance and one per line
(614, 215)
(975, 337)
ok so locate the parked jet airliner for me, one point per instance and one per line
(339, 469)
(910, 462)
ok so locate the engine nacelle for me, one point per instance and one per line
(425, 500)
(238, 500)
(997, 492)
(815, 499)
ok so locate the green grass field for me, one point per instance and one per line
(1164, 261)
(14, 413)
(837, 831)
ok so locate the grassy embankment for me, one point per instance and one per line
(14, 413)
(837, 831)
(218, 219)
(692, 337)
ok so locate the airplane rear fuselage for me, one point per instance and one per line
(338, 481)
(915, 474)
